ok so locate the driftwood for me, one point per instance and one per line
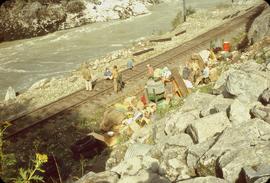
(228, 16)
(249, 8)
(161, 40)
(143, 51)
(179, 33)
(235, 14)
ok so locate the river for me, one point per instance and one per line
(24, 62)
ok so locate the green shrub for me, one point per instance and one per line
(190, 11)
(75, 6)
(177, 20)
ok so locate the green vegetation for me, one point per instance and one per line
(154, 1)
(238, 41)
(190, 10)
(205, 88)
(75, 6)
(7, 161)
(28, 175)
(177, 20)
(204, 170)
(124, 137)
(164, 107)
(150, 140)
(91, 122)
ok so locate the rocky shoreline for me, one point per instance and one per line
(219, 136)
(21, 19)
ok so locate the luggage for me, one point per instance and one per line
(87, 147)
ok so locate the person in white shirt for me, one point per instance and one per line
(188, 83)
(205, 74)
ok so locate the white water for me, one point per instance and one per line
(24, 62)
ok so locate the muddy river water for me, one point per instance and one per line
(24, 62)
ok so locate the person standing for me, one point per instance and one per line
(205, 74)
(115, 75)
(86, 73)
(150, 71)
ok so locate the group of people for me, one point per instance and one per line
(114, 75)
(193, 74)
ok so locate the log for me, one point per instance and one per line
(179, 33)
(235, 14)
(228, 16)
(161, 40)
(143, 51)
(249, 8)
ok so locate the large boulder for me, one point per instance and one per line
(181, 139)
(137, 150)
(250, 66)
(133, 165)
(261, 112)
(197, 101)
(196, 151)
(255, 174)
(245, 85)
(231, 162)
(11, 94)
(173, 163)
(239, 112)
(219, 87)
(236, 145)
(144, 176)
(107, 176)
(265, 97)
(260, 27)
(178, 122)
(219, 104)
(204, 128)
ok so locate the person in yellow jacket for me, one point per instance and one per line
(87, 76)
(115, 75)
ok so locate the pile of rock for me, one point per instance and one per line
(221, 137)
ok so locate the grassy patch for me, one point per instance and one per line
(165, 108)
(204, 170)
(260, 61)
(236, 40)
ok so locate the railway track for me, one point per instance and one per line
(104, 89)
